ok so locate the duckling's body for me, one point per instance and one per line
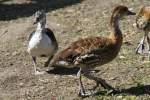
(42, 41)
(92, 52)
(143, 23)
(42, 44)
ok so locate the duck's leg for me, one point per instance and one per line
(35, 67)
(148, 40)
(34, 62)
(101, 82)
(81, 88)
(140, 48)
(48, 61)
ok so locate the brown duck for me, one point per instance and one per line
(92, 52)
(143, 23)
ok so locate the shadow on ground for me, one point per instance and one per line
(64, 71)
(14, 11)
(138, 90)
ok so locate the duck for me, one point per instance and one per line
(42, 41)
(143, 23)
(91, 52)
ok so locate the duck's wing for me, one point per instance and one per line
(51, 35)
(30, 36)
(143, 23)
(83, 49)
(143, 18)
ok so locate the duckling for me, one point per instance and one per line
(42, 42)
(143, 23)
(92, 52)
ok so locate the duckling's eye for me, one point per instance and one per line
(38, 19)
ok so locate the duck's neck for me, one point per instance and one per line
(40, 26)
(116, 33)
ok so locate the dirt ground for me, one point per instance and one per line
(70, 20)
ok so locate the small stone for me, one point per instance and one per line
(120, 97)
(11, 64)
(122, 57)
(14, 53)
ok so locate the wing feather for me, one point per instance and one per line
(83, 49)
(51, 35)
(30, 36)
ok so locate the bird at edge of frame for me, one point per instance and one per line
(92, 52)
(42, 41)
(143, 24)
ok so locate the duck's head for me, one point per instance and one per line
(121, 11)
(39, 16)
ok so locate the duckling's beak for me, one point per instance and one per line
(131, 13)
(34, 23)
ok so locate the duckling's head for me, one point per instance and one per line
(39, 16)
(121, 11)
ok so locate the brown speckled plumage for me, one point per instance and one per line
(91, 52)
(104, 49)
